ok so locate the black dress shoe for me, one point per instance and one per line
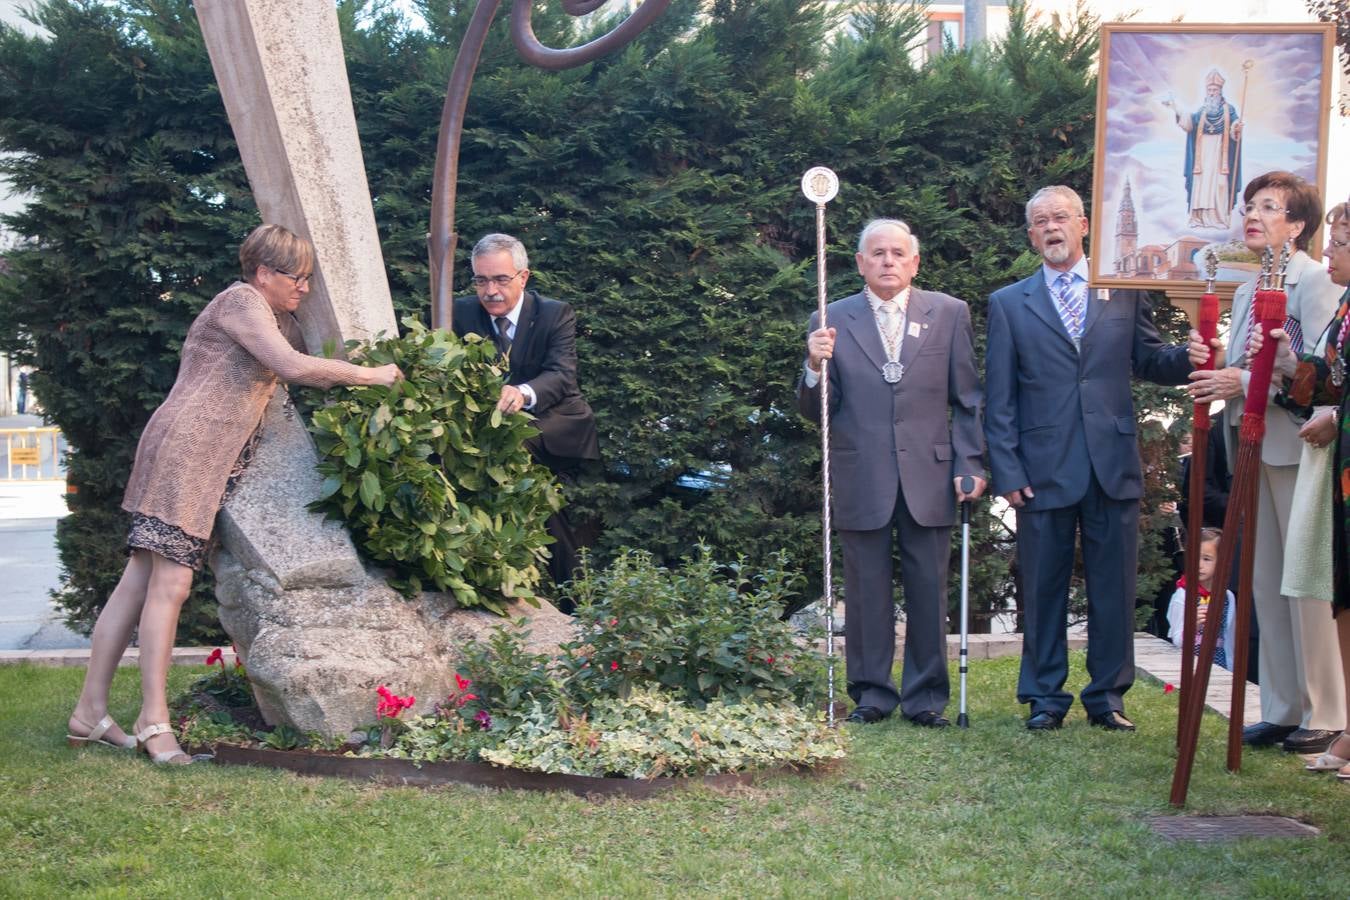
(1310, 740)
(1266, 734)
(1045, 720)
(1112, 721)
(865, 715)
(930, 719)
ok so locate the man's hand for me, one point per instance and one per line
(512, 400)
(1319, 431)
(1199, 354)
(1212, 386)
(819, 347)
(961, 496)
(1018, 499)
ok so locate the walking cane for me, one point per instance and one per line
(820, 185)
(967, 485)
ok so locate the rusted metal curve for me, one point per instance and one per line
(536, 54)
(441, 239)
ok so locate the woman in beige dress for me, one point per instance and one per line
(190, 455)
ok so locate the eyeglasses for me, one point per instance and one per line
(482, 281)
(1059, 218)
(298, 280)
(1266, 208)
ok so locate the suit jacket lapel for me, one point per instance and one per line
(529, 310)
(861, 324)
(1042, 305)
(920, 313)
(1094, 309)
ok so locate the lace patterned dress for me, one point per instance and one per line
(197, 444)
(1319, 380)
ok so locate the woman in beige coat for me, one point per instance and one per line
(190, 456)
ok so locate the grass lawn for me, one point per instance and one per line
(991, 810)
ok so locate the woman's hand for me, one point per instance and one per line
(1319, 431)
(385, 376)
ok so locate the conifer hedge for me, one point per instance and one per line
(656, 190)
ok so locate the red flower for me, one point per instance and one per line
(614, 666)
(613, 622)
(769, 660)
(216, 657)
(391, 704)
(1169, 688)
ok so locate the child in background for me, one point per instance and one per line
(1176, 609)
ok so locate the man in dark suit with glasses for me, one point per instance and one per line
(537, 335)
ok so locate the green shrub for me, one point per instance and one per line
(431, 478)
(649, 733)
(506, 678)
(704, 631)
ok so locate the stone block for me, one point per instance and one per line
(266, 525)
(316, 655)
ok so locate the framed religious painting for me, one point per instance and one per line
(1186, 115)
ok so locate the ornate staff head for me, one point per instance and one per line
(820, 185)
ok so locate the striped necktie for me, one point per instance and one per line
(503, 329)
(1070, 302)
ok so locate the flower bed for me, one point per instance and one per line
(684, 674)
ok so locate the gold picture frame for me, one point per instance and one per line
(1186, 115)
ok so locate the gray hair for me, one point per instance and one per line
(877, 224)
(1056, 190)
(495, 243)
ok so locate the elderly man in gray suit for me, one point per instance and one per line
(899, 358)
(1302, 690)
(1063, 451)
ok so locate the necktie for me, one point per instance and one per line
(891, 323)
(503, 327)
(1070, 303)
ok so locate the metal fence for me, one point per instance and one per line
(32, 454)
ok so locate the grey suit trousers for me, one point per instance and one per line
(869, 627)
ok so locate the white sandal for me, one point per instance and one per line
(1328, 761)
(95, 736)
(165, 757)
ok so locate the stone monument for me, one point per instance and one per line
(317, 630)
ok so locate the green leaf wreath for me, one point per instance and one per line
(431, 478)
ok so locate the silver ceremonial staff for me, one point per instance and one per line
(820, 185)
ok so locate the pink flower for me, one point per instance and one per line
(614, 666)
(216, 657)
(613, 622)
(1169, 688)
(461, 682)
(483, 719)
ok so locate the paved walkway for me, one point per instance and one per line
(29, 511)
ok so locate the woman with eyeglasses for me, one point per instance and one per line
(1302, 691)
(189, 459)
(1315, 389)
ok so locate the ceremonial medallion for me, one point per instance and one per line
(892, 372)
(820, 185)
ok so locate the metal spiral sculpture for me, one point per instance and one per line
(442, 238)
